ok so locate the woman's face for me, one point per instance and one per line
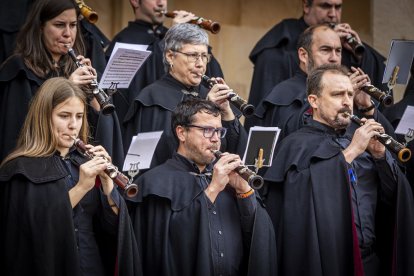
(67, 119)
(185, 68)
(59, 33)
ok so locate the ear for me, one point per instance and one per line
(313, 101)
(169, 56)
(134, 3)
(181, 133)
(306, 7)
(303, 56)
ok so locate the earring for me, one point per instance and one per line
(171, 65)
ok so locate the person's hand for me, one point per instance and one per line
(345, 31)
(85, 74)
(363, 137)
(100, 153)
(359, 79)
(182, 17)
(219, 94)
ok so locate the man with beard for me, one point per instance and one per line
(275, 55)
(340, 206)
(148, 29)
(198, 217)
(287, 107)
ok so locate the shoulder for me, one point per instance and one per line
(15, 66)
(171, 182)
(36, 169)
(287, 91)
(285, 31)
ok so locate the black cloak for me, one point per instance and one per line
(171, 221)
(18, 85)
(141, 32)
(309, 202)
(37, 233)
(275, 59)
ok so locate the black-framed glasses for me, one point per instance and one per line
(208, 132)
(193, 57)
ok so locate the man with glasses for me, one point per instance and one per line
(195, 215)
(185, 60)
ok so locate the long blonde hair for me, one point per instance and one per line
(36, 138)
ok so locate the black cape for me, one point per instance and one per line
(152, 110)
(275, 59)
(309, 202)
(17, 87)
(140, 32)
(285, 99)
(171, 221)
(37, 233)
(12, 17)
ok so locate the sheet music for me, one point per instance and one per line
(123, 64)
(142, 149)
(401, 55)
(407, 121)
(264, 138)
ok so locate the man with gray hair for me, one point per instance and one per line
(185, 58)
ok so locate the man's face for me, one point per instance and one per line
(326, 48)
(335, 98)
(194, 146)
(322, 11)
(149, 11)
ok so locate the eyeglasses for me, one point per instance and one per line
(208, 132)
(193, 57)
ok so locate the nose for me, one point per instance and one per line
(335, 57)
(66, 31)
(216, 136)
(348, 100)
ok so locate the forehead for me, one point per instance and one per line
(66, 15)
(330, 2)
(336, 82)
(326, 36)
(72, 104)
(207, 119)
(199, 48)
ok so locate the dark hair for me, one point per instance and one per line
(306, 38)
(29, 43)
(314, 82)
(184, 113)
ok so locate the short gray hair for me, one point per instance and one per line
(181, 34)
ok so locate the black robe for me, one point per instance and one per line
(141, 32)
(285, 99)
(152, 110)
(12, 17)
(37, 235)
(17, 87)
(309, 202)
(275, 59)
(172, 224)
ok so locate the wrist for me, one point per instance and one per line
(245, 194)
(366, 109)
